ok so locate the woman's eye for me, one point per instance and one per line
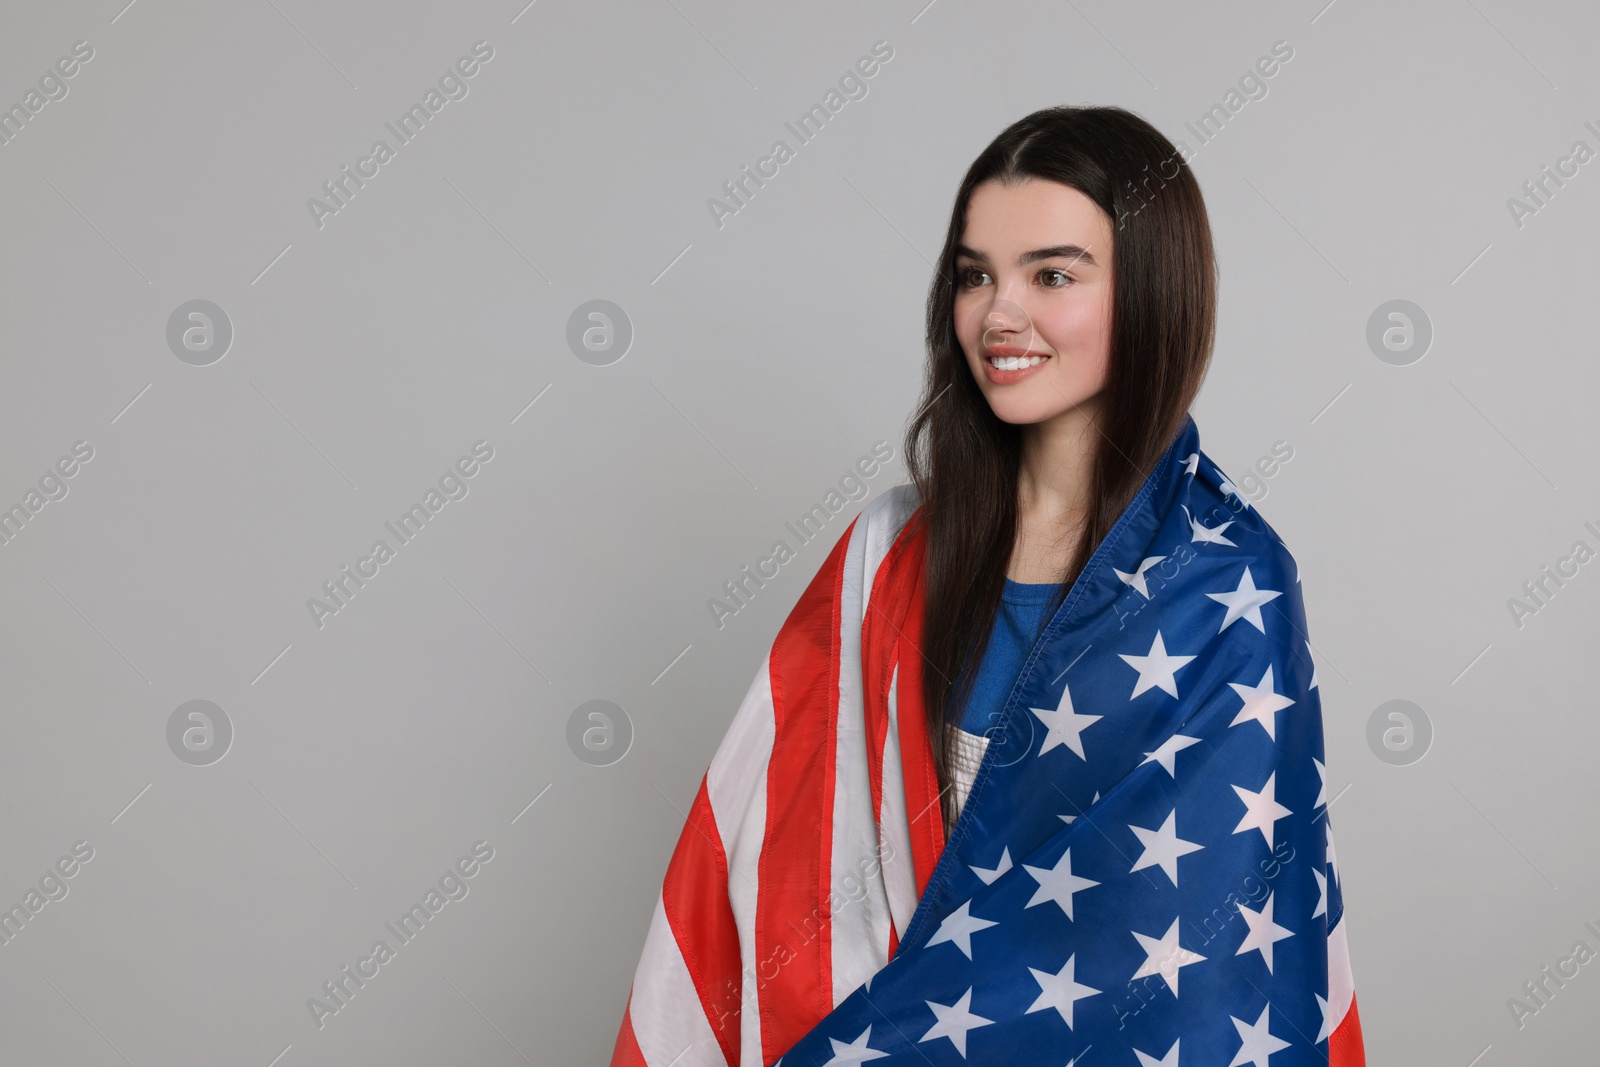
(1049, 277)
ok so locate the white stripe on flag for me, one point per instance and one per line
(860, 909)
(899, 875)
(668, 1021)
(736, 785)
(885, 518)
(1341, 979)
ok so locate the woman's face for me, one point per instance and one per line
(1033, 281)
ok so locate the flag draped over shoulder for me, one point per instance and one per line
(1143, 867)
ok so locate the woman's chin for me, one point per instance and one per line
(1040, 404)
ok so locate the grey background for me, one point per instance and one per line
(768, 355)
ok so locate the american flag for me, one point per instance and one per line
(1142, 873)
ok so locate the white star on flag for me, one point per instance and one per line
(1164, 956)
(1322, 894)
(1322, 1031)
(1261, 703)
(1057, 883)
(1229, 488)
(1245, 603)
(988, 875)
(1059, 991)
(1167, 753)
(1256, 1043)
(1162, 847)
(1063, 725)
(1264, 933)
(958, 928)
(1262, 809)
(1136, 579)
(1156, 670)
(855, 1052)
(1313, 660)
(1322, 792)
(1201, 534)
(954, 1022)
(1169, 1060)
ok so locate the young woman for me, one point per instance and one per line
(1040, 746)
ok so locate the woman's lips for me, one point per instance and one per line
(1017, 363)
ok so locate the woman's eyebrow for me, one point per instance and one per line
(1076, 253)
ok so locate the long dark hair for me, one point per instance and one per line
(964, 459)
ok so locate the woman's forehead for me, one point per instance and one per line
(1007, 220)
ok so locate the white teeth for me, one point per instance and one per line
(1015, 362)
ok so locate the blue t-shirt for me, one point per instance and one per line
(1016, 626)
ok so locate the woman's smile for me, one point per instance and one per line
(1007, 364)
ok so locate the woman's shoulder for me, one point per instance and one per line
(892, 508)
(882, 525)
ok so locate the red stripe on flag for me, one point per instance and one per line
(793, 930)
(1345, 1048)
(916, 754)
(880, 642)
(626, 1052)
(694, 895)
